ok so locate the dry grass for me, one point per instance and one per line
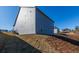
(39, 42)
(9, 33)
(73, 35)
(47, 44)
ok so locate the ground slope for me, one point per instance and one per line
(9, 43)
(50, 43)
(35, 43)
(73, 35)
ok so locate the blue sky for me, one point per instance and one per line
(7, 16)
(64, 16)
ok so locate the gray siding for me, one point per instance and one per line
(43, 24)
(33, 21)
(25, 23)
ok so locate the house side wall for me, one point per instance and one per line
(25, 23)
(43, 24)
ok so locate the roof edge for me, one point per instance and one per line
(16, 17)
(44, 14)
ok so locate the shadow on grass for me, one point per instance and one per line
(13, 44)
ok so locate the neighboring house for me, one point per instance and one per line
(56, 30)
(31, 20)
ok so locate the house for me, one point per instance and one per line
(56, 30)
(31, 20)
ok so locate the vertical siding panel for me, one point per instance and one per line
(43, 24)
(32, 21)
(26, 21)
